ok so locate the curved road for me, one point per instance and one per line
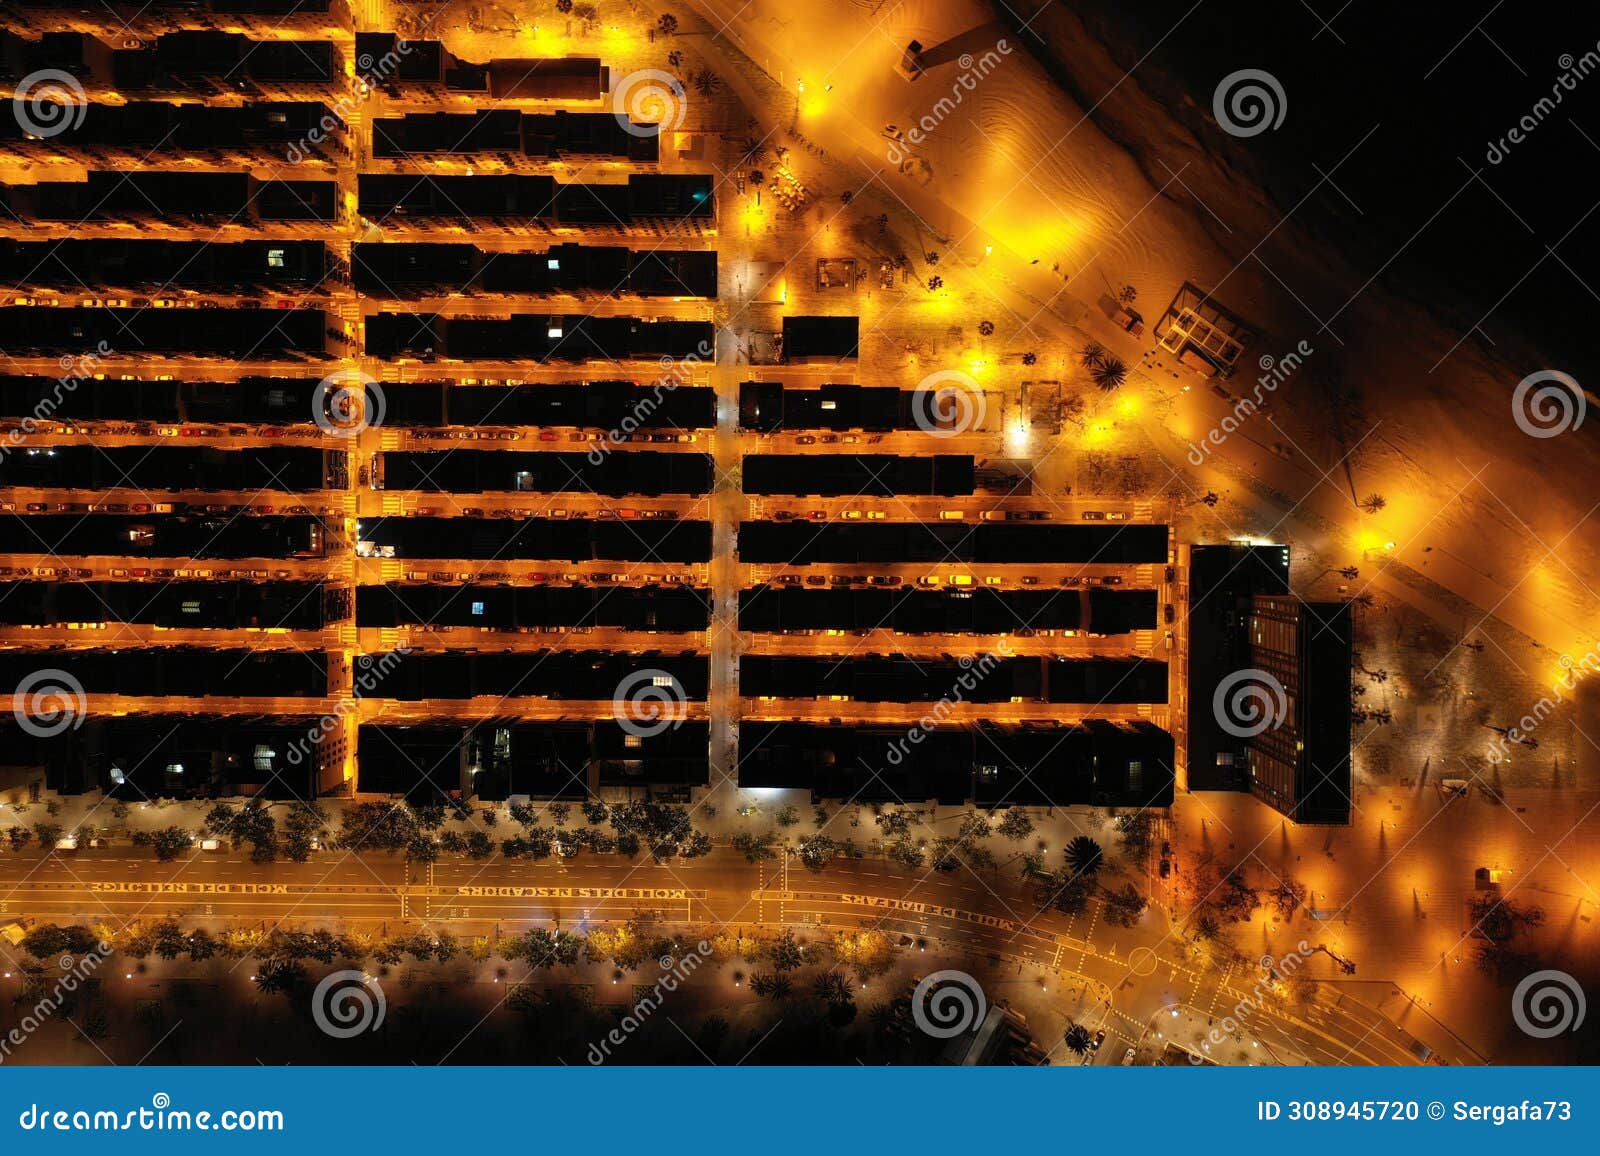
(1138, 973)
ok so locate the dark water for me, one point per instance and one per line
(1445, 99)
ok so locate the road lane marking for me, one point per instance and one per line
(198, 888)
(513, 892)
(880, 902)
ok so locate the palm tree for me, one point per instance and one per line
(831, 987)
(1091, 355)
(1077, 1038)
(1109, 374)
(1372, 503)
(986, 328)
(706, 82)
(279, 977)
(775, 987)
(1084, 855)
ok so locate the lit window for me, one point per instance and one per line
(663, 680)
(191, 608)
(477, 609)
(632, 741)
(553, 332)
(553, 263)
(275, 258)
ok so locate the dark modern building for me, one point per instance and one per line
(175, 756)
(1268, 685)
(853, 475)
(1222, 582)
(1096, 762)
(821, 338)
(537, 136)
(414, 67)
(596, 405)
(173, 198)
(1302, 766)
(503, 759)
(400, 269)
(770, 406)
(1000, 1038)
(655, 203)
